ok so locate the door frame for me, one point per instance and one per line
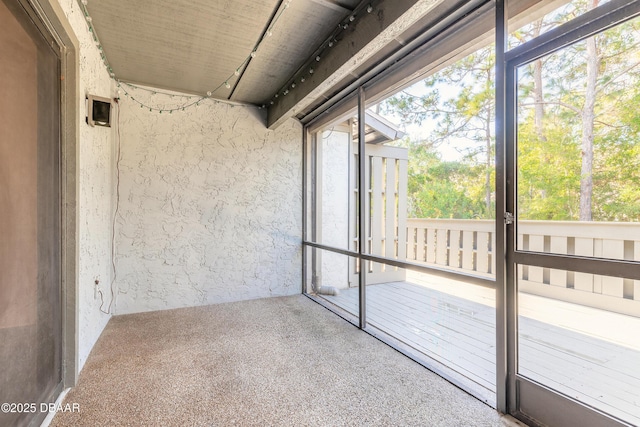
(50, 19)
(521, 397)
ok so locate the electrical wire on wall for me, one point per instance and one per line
(115, 216)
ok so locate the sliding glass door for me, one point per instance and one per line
(415, 266)
(30, 242)
(575, 240)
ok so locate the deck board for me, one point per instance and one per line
(438, 341)
(454, 324)
(455, 329)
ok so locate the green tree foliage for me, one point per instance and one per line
(578, 142)
(583, 163)
(459, 103)
(439, 189)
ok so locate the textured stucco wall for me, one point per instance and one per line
(335, 206)
(209, 206)
(95, 171)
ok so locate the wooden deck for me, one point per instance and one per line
(588, 354)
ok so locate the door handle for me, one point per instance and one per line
(508, 218)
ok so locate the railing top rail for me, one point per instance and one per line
(582, 229)
(485, 225)
(579, 229)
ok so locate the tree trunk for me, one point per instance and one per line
(538, 98)
(537, 88)
(588, 117)
(487, 174)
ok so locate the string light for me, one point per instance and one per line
(191, 100)
(330, 42)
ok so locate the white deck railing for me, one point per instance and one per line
(468, 245)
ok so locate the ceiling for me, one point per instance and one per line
(258, 51)
(195, 46)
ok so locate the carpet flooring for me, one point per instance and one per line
(270, 362)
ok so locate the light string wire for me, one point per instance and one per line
(333, 39)
(198, 98)
(181, 107)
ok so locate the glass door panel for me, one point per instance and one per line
(581, 344)
(332, 195)
(576, 245)
(430, 205)
(30, 242)
(578, 151)
(430, 155)
(331, 274)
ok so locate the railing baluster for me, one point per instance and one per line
(636, 283)
(431, 244)
(441, 245)
(411, 244)
(558, 246)
(420, 243)
(467, 250)
(583, 281)
(536, 244)
(613, 286)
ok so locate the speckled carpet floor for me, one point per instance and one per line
(270, 362)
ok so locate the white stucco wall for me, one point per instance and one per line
(336, 192)
(210, 205)
(95, 171)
